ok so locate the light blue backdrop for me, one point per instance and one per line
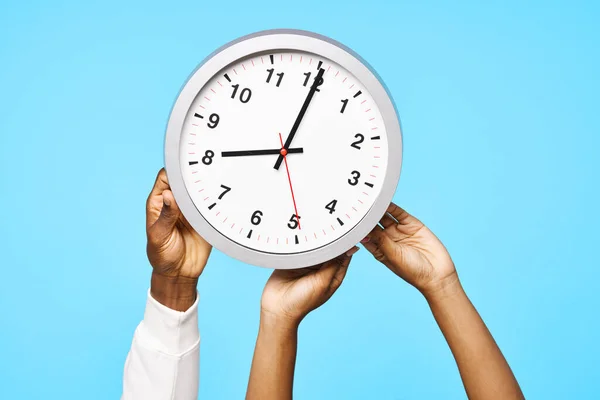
(499, 106)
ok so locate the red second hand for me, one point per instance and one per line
(284, 154)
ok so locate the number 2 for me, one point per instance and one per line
(360, 138)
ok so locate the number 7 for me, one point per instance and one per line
(227, 189)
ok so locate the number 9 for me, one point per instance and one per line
(214, 121)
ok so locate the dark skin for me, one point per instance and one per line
(401, 242)
(288, 297)
(178, 256)
(409, 249)
(176, 252)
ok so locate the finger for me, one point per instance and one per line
(403, 217)
(379, 244)
(326, 272)
(308, 270)
(154, 202)
(299, 272)
(330, 268)
(161, 184)
(370, 245)
(169, 215)
(366, 242)
(352, 251)
(340, 274)
(407, 225)
(380, 239)
(386, 221)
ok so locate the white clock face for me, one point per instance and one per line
(283, 149)
(230, 152)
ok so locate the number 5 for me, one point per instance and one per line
(294, 220)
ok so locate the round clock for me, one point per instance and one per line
(283, 149)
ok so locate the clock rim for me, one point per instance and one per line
(283, 40)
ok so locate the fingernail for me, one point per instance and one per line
(167, 202)
(366, 240)
(351, 252)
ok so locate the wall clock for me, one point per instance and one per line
(283, 149)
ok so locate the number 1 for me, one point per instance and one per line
(344, 105)
(280, 75)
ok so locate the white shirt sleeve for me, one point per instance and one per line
(163, 363)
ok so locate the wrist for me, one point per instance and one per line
(175, 292)
(278, 324)
(443, 289)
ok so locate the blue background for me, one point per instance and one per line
(499, 107)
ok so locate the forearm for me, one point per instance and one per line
(272, 373)
(483, 369)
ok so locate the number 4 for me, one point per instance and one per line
(331, 206)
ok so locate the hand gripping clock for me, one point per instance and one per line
(283, 97)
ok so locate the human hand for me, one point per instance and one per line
(410, 250)
(291, 294)
(288, 297)
(415, 254)
(175, 250)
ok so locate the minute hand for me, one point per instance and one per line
(309, 97)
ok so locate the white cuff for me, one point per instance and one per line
(173, 332)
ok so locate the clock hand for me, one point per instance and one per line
(284, 154)
(240, 153)
(309, 97)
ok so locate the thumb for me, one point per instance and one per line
(169, 215)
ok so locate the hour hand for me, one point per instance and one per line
(241, 153)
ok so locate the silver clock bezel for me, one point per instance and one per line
(282, 40)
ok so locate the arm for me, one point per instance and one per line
(272, 373)
(414, 253)
(164, 356)
(483, 369)
(288, 297)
